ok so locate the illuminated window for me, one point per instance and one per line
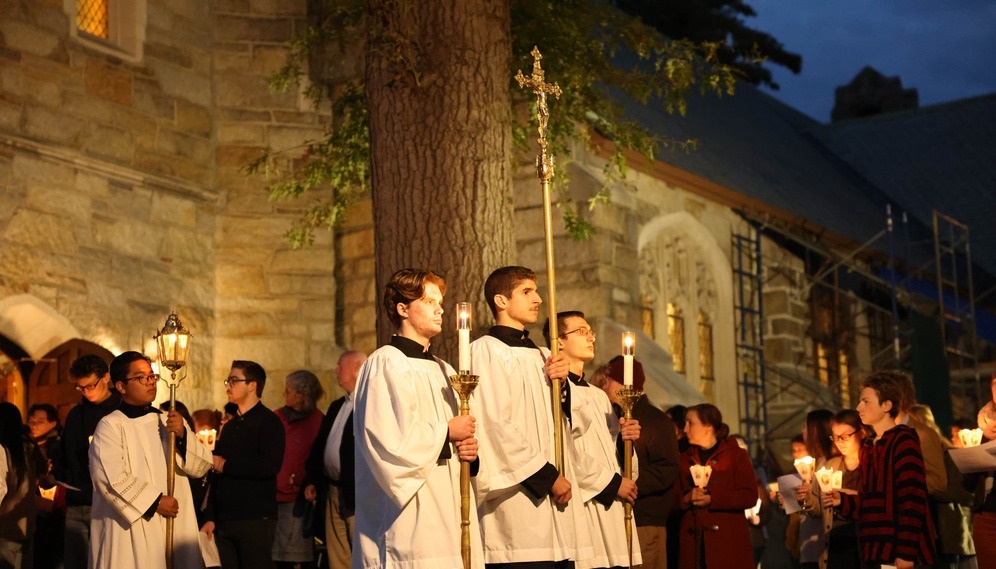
(822, 365)
(705, 347)
(91, 17)
(845, 382)
(647, 319)
(676, 335)
(113, 27)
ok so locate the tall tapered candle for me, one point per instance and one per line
(463, 332)
(628, 350)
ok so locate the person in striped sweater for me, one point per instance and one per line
(894, 523)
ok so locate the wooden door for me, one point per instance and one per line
(50, 383)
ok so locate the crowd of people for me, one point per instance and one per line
(376, 480)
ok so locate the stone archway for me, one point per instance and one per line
(682, 263)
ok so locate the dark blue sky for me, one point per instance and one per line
(946, 49)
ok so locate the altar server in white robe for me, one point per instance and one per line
(526, 506)
(597, 437)
(410, 440)
(128, 467)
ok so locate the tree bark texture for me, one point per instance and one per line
(437, 85)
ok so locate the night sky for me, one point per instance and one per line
(945, 49)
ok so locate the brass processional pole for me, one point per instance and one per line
(172, 343)
(464, 384)
(544, 169)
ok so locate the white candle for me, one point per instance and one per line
(463, 333)
(628, 350)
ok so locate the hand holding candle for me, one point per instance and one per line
(701, 474)
(463, 333)
(804, 466)
(628, 351)
(970, 437)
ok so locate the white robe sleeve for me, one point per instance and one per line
(401, 447)
(502, 400)
(126, 489)
(198, 460)
(593, 475)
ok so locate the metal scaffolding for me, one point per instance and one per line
(749, 311)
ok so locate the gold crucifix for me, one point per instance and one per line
(544, 168)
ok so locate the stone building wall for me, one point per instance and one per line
(122, 191)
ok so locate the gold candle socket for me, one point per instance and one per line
(628, 397)
(464, 384)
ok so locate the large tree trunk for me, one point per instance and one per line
(440, 139)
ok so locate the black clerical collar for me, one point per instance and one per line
(577, 379)
(512, 336)
(411, 348)
(134, 411)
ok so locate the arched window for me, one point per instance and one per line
(676, 336)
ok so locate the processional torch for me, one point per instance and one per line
(628, 397)
(172, 342)
(464, 383)
(544, 169)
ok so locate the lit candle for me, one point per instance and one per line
(628, 350)
(207, 436)
(463, 332)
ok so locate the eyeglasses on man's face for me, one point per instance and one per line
(230, 381)
(146, 379)
(842, 438)
(87, 388)
(583, 331)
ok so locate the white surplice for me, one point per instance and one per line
(512, 404)
(407, 498)
(594, 429)
(128, 468)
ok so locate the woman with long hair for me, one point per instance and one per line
(17, 503)
(812, 534)
(714, 531)
(839, 543)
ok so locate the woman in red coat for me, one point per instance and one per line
(714, 530)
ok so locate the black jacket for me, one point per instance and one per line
(657, 453)
(315, 466)
(253, 448)
(71, 464)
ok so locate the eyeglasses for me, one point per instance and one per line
(87, 388)
(151, 378)
(843, 438)
(230, 381)
(582, 331)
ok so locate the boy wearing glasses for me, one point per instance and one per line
(129, 470)
(594, 432)
(242, 513)
(71, 465)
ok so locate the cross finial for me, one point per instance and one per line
(537, 83)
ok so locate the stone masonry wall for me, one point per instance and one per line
(106, 201)
(275, 305)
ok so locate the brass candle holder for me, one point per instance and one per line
(464, 384)
(628, 397)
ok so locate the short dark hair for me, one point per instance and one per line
(253, 372)
(503, 281)
(85, 366)
(889, 385)
(50, 411)
(119, 366)
(407, 286)
(561, 323)
(677, 414)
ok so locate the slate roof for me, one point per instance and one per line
(841, 176)
(940, 157)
